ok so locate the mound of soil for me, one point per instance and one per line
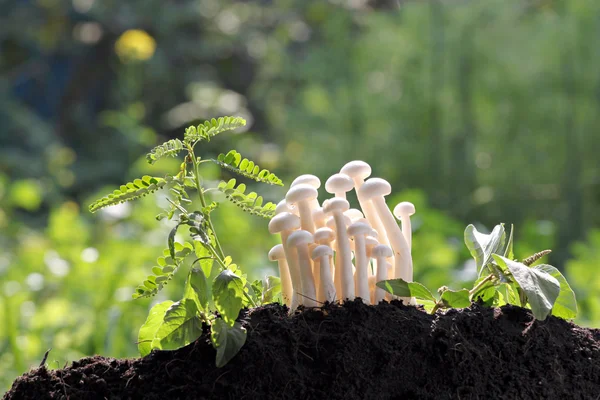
(354, 351)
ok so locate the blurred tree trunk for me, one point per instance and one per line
(436, 85)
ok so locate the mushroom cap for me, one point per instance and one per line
(403, 209)
(339, 183)
(299, 238)
(336, 204)
(307, 179)
(284, 222)
(359, 228)
(276, 253)
(301, 192)
(356, 169)
(381, 251)
(331, 222)
(324, 235)
(354, 214)
(321, 251)
(375, 234)
(374, 187)
(282, 206)
(371, 242)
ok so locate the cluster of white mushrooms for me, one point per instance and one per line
(336, 253)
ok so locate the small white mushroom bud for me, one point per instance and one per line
(381, 253)
(326, 289)
(358, 231)
(277, 253)
(301, 195)
(300, 241)
(284, 224)
(403, 211)
(338, 185)
(283, 206)
(336, 207)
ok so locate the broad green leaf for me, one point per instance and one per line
(401, 288)
(204, 258)
(482, 246)
(485, 294)
(181, 326)
(271, 289)
(153, 322)
(508, 252)
(566, 304)
(197, 288)
(456, 298)
(227, 340)
(171, 241)
(541, 288)
(228, 295)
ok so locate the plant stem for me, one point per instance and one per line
(481, 284)
(196, 164)
(436, 307)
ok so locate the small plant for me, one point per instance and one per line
(502, 280)
(171, 325)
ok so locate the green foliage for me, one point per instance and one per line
(232, 161)
(131, 191)
(542, 288)
(212, 128)
(170, 148)
(172, 325)
(251, 202)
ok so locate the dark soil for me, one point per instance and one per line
(388, 351)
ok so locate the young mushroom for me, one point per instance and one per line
(380, 253)
(319, 217)
(358, 171)
(277, 253)
(358, 231)
(339, 185)
(374, 190)
(302, 196)
(285, 223)
(311, 180)
(403, 211)
(336, 207)
(300, 240)
(326, 289)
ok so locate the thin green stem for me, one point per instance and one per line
(196, 164)
(481, 284)
(436, 307)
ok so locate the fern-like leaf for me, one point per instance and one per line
(164, 271)
(234, 162)
(131, 191)
(169, 148)
(211, 128)
(250, 202)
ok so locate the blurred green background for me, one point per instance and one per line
(477, 111)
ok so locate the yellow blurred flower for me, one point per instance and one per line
(135, 44)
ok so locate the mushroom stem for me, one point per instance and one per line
(380, 253)
(277, 253)
(358, 231)
(336, 207)
(326, 288)
(299, 240)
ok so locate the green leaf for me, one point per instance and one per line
(171, 241)
(485, 294)
(227, 340)
(169, 148)
(130, 191)
(401, 288)
(456, 298)
(541, 288)
(566, 305)
(196, 287)
(228, 295)
(181, 326)
(233, 162)
(153, 322)
(271, 289)
(211, 128)
(482, 246)
(508, 252)
(250, 202)
(204, 258)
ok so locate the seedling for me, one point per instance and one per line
(171, 325)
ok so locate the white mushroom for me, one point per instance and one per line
(358, 171)
(325, 236)
(302, 196)
(374, 190)
(336, 207)
(283, 206)
(403, 211)
(358, 231)
(311, 180)
(277, 253)
(380, 253)
(300, 241)
(354, 214)
(338, 185)
(319, 217)
(370, 243)
(326, 290)
(284, 224)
